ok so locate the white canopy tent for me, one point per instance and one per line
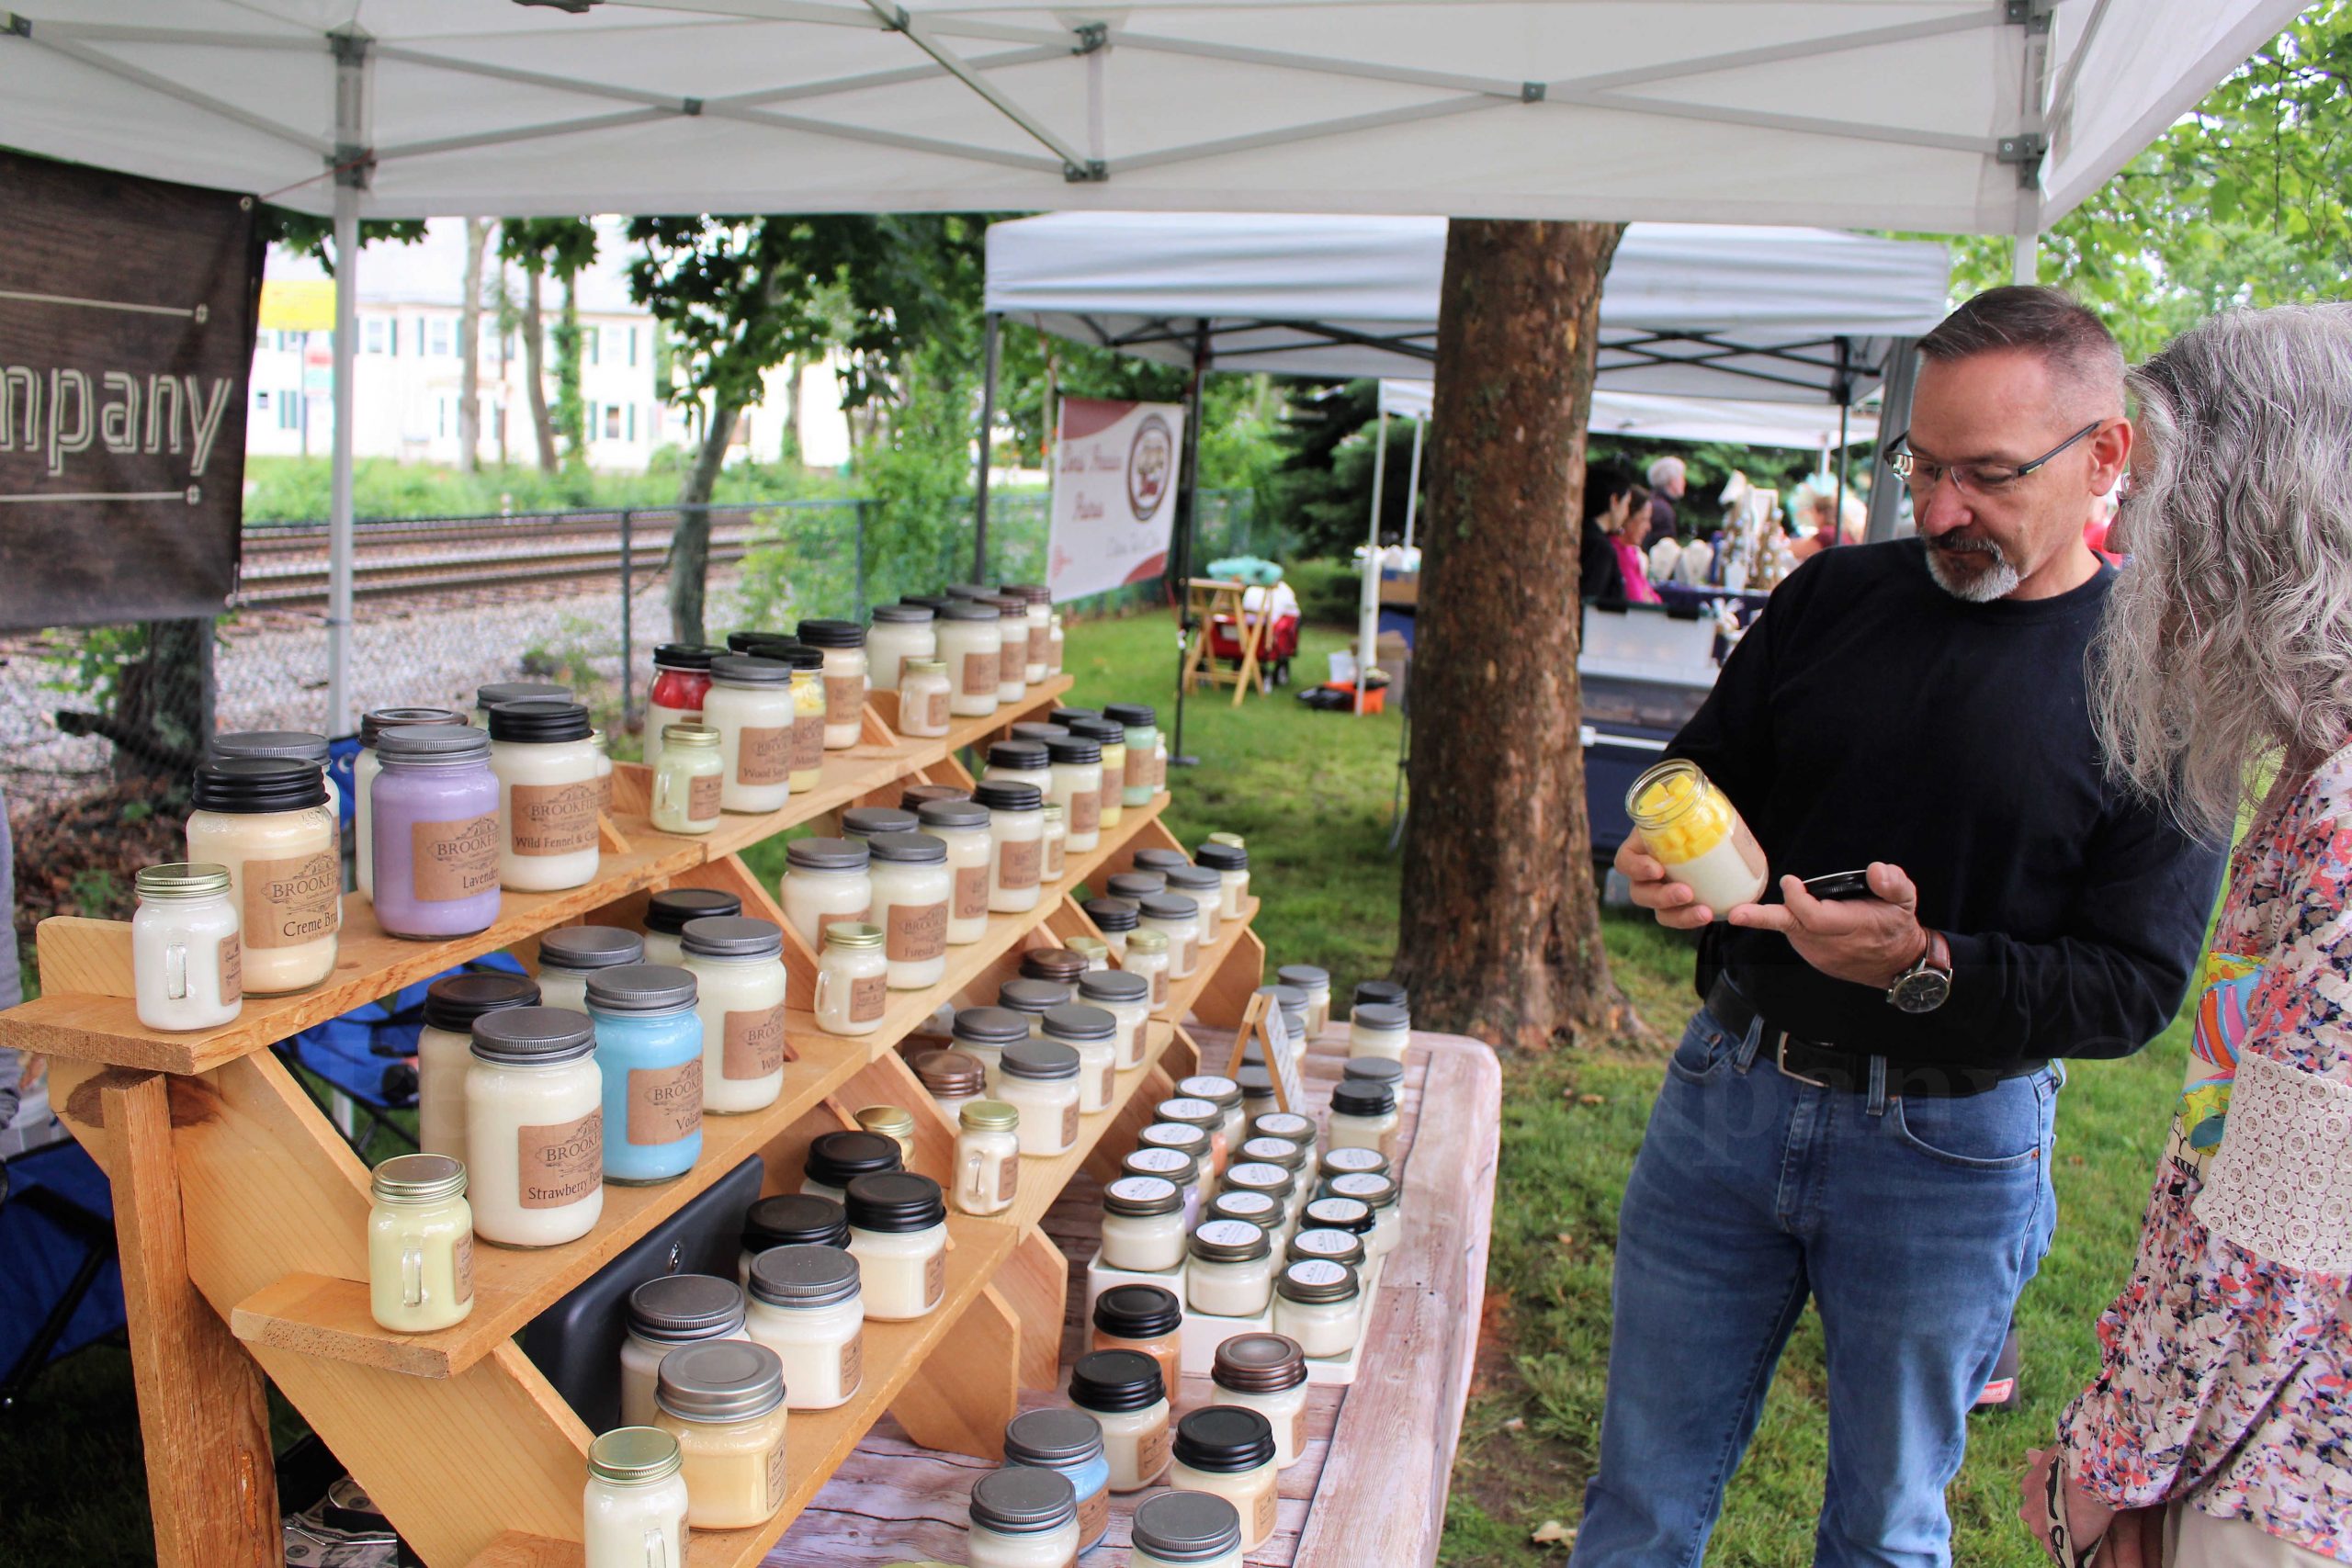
(1955, 116)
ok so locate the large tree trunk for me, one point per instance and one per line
(470, 350)
(690, 542)
(534, 373)
(1499, 934)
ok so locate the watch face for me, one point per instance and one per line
(1922, 990)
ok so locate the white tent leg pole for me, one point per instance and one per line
(2025, 266)
(339, 540)
(1368, 601)
(1413, 493)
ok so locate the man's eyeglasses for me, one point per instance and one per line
(1970, 478)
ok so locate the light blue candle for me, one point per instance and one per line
(648, 1042)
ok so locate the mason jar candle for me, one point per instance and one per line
(1127, 999)
(1054, 645)
(1114, 919)
(1228, 1450)
(1267, 1373)
(984, 1032)
(1016, 842)
(1231, 864)
(649, 1045)
(912, 888)
(1111, 742)
(1077, 786)
(953, 1079)
(853, 979)
(1143, 1225)
(1022, 1517)
(267, 823)
(569, 954)
(789, 1218)
(434, 825)
(1257, 1088)
(751, 704)
(1054, 861)
(807, 754)
(689, 780)
(1137, 784)
(1033, 999)
(1284, 1155)
(1170, 1165)
(1223, 1093)
(1202, 886)
(547, 794)
(826, 880)
(723, 1400)
(963, 825)
(604, 772)
(1178, 917)
(1144, 1318)
(1231, 1273)
(1018, 762)
(1185, 1529)
(1013, 648)
(900, 632)
(184, 956)
(1093, 949)
(1378, 1193)
(420, 1244)
(633, 1513)
(1317, 1302)
(806, 1306)
(1124, 1391)
(1093, 1033)
(667, 912)
(1363, 1116)
(737, 965)
(969, 643)
(1188, 1111)
(1289, 1126)
(364, 769)
(1193, 1141)
(535, 1127)
(1316, 984)
(1338, 1246)
(1039, 1078)
(1147, 954)
(664, 1312)
(1069, 1442)
(681, 680)
(898, 1228)
(895, 1123)
(1349, 1161)
(490, 694)
(988, 1156)
(445, 1049)
(1345, 1215)
(836, 1159)
(1038, 618)
(842, 643)
(1379, 1031)
(923, 697)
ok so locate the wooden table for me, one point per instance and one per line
(1370, 1488)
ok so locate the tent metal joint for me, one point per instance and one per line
(2033, 16)
(2024, 151)
(690, 107)
(1094, 171)
(18, 26)
(1532, 92)
(1092, 36)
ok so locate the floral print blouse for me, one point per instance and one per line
(2226, 1366)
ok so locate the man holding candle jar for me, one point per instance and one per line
(1860, 1113)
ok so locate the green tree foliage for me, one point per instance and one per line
(306, 235)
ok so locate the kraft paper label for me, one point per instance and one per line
(754, 1045)
(293, 900)
(1160, 987)
(853, 1360)
(762, 755)
(552, 819)
(1151, 1452)
(1085, 810)
(456, 858)
(1094, 1513)
(808, 742)
(971, 892)
(1143, 1041)
(1057, 857)
(461, 1265)
(559, 1163)
(867, 997)
(665, 1103)
(845, 697)
(1261, 1514)
(778, 1478)
(1069, 1123)
(850, 918)
(1110, 1079)
(233, 968)
(1016, 864)
(934, 710)
(934, 1279)
(1297, 1443)
(1191, 953)
(1008, 1175)
(916, 932)
(1041, 644)
(979, 674)
(1137, 773)
(702, 797)
(605, 791)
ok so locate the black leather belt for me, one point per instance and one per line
(1827, 1066)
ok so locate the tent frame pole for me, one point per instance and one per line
(1901, 372)
(350, 163)
(1413, 487)
(988, 429)
(1188, 507)
(1368, 597)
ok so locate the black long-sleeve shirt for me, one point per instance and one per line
(1871, 716)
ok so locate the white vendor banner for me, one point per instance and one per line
(1114, 494)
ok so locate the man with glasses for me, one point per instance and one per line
(1860, 1113)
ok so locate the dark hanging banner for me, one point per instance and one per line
(125, 344)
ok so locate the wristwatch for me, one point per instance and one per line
(1924, 987)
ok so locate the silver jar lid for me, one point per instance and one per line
(866, 821)
(804, 1278)
(283, 745)
(1175, 1165)
(720, 1380)
(1317, 1282)
(1306, 976)
(825, 855)
(589, 947)
(1190, 1111)
(418, 1178)
(1186, 1527)
(1260, 1209)
(1079, 1021)
(1341, 1162)
(447, 743)
(1181, 1136)
(1338, 1214)
(1169, 906)
(989, 1026)
(1274, 1151)
(1231, 1241)
(1135, 885)
(1036, 997)
(634, 1456)
(1023, 1500)
(1039, 1061)
(680, 1308)
(533, 1037)
(1195, 879)
(1366, 1187)
(1383, 1019)
(731, 936)
(1052, 1438)
(640, 989)
(1287, 1125)
(908, 847)
(1255, 1178)
(1113, 985)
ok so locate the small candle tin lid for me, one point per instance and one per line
(1023, 1500)
(795, 1219)
(669, 911)
(589, 947)
(1259, 1363)
(1186, 1527)
(1224, 1440)
(720, 1380)
(804, 1278)
(634, 1456)
(1317, 1282)
(683, 1307)
(1231, 1241)
(533, 1037)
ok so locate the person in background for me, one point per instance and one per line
(1818, 511)
(2217, 1431)
(1607, 499)
(1628, 528)
(1668, 479)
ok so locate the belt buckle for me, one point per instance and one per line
(1781, 1060)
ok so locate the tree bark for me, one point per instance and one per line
(690, 542)
(789, 446)
(470, 350)
(1500, 928)
(535, 368)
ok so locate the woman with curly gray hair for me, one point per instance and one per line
(2218, 1432)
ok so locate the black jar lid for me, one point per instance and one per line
(1362, 1097)
(1306, 976)
(914, 798)
(1290, 998)
(1346, 1214)
(1224, 1440)
(835, 1159)
(1023, 1500)
(1135, 885)
(1186, 1527)
(1318, 1281)
(1052, 1439)
(1196, 879)
(1169, 906)
(1036, 732)
(1039, 1061)
(1340, 1247)
(1161, 860)
(866, 821)
(907, 849)
(1257, 1083)
(896, 1203)
(906, 612)
(1076, 751)
(747, 642)
(1102, 731)
(684, 655)
(533, 1036)
(968, 610)
(675, 1308)
(1231, 1241)
(489, 695)
(256, 786)
(1259, 1363)
(433, 743)
(1035, 592)
(962, 812)
(797, 657)
(1023, 755)
(1134, 716)
(1054, 964)
(1221, 857)
(1372, 1069)
(832, 634)
(1138, 1311)
(991, 1026)
(1215, 1088)
(669, 911)
(589, 947)
(1006, 794)
(640, 989)
(795, 1219)
(1111, 914)
(1113, 1381)
(1067, 717)
(1036, 997)
(804, 1278)
(453, 1001)
(539, 721)
(751, 670)
(720, 1380)
(1380, 993)
(1142, 1196)
(825, 855)
(373, 725)
(1113, 986)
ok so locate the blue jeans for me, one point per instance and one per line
(1913, 1221)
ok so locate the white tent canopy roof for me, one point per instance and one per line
(1649, 417)
(1912, 114)
(1688, 310)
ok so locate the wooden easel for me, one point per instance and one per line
(1262, 1020)
(1205, 598)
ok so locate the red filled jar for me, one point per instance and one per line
(681, 676)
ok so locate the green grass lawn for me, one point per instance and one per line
(1312, 793)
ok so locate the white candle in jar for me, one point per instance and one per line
(963, 827)
(826, 880)
(806, 1306)
(267, 821)
(846, 671)
(548, 794)
(898, 1228)
(738, 965)
(535, 1127)
(750, 703)
(912, 888)
(185, 959)
(633, 1514)
(900, 632)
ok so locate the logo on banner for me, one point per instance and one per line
(1152, 464)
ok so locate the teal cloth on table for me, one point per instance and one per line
(1247, 568)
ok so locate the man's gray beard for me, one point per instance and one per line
(1996, 581)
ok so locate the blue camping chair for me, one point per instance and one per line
(63, 1287)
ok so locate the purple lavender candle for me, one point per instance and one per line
(433, 822)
